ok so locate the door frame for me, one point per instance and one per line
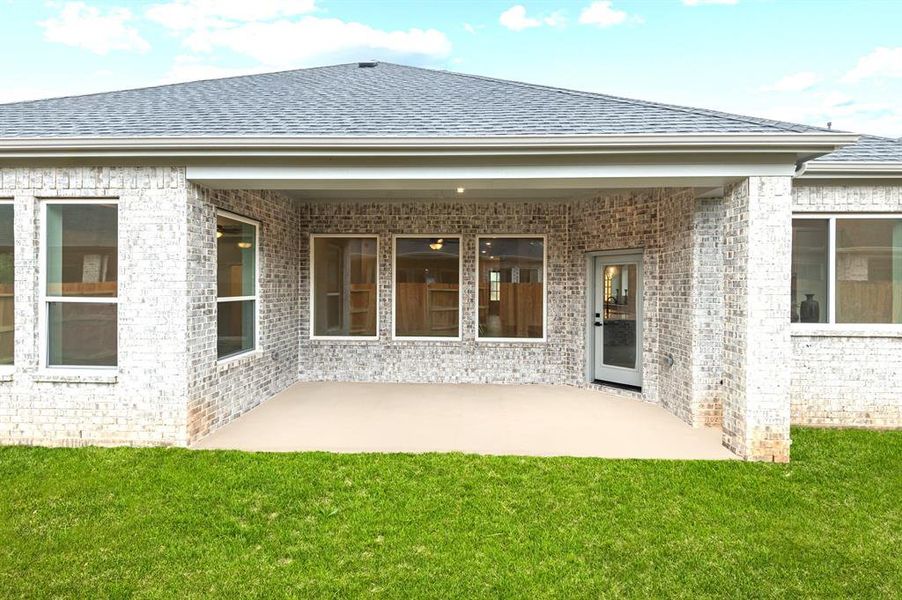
(589, 367)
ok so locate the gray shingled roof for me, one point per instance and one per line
(869, 148)
(344, 100)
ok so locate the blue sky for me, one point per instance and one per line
(799, 60)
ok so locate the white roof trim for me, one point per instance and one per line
(801, 144)
(850, 170)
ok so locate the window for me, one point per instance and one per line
(7, 284)
(847, 269)
(80, 283)
(810, 260)
(427, 287)
(511, 280)
(236, 285)
(343, 276)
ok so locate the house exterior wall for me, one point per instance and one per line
(144, 401)
(757, 349)
(842, 376)
(714, 302)
(218, 391)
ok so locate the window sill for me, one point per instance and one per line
(238, 360)
(859, 331)
(344, 338)
(509, 341)
(76, 377)
(6, 374)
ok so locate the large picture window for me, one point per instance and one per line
(427, 287)
(81, 245)
(236, 285)
(7, 283)
(345, 295)
(511, 280)
(847, 269)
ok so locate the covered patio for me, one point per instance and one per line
(529, 420)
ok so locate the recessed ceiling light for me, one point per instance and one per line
(461, 190)
(244, 245)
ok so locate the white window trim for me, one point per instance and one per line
(9, 369)
(516, 340)
(311, 295)
(831, 325)
(45, 300)
(256, 297)
(460, 287)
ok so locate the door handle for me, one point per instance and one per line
(599, 324)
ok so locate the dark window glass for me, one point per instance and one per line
(344, 286)
(511, 296)
(82, 248)
(810, 249)
(236, 254)
(7, 285)
(427, 284)
(81, 334)
(869, 270)
(235, 326)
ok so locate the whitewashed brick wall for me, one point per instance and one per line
(144, 403)
(757, 350)
(219, 392)
(841, 376)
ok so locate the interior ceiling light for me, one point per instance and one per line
(219, 233)
(436, 244)
(244, 245)
(461, 190)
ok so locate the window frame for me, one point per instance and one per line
(515, 340)
(460, 288)
(10, 368)
(255, 298)
(45, 300)
(312, 296)
(831, 324)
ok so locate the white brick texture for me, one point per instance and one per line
(847, 377)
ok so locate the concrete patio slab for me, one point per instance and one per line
(532, 420)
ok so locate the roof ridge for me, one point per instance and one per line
(633, 101)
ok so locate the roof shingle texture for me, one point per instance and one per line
(869, 148)
(348, 101)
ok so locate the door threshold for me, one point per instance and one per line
(619, 386)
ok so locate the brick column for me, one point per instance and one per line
(757, 350)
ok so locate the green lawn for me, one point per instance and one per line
(175, 523)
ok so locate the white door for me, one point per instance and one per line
(617, 322)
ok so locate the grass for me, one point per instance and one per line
(153, 523)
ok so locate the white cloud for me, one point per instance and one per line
(181, 15)
(796, 82)
(603, 14)
(881, 62)
(515, 18)
(700, 2)
(469, 28)
(555, 19)
(287, 43)
(192, 68)
(84, 26)
(279, 33)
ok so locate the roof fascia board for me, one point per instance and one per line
(801, 144)
(850, 170)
